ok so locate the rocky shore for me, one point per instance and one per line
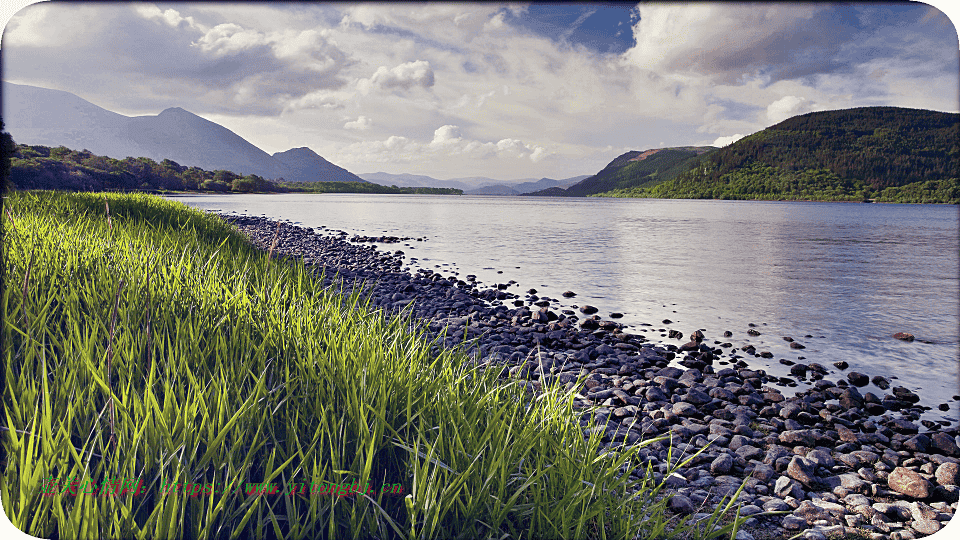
(835, 461)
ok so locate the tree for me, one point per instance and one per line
(7, 149)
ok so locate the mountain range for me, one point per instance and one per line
(41, 116)
(473, 185)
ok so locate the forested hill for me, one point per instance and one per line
(633, 169)
(884, 153)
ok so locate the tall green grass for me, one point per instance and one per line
(154, 343)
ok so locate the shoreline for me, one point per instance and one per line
(861, 464)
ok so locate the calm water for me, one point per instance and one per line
(850, 275)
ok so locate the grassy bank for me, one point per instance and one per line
(150, 344)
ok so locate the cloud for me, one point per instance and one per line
(724, 141)
(404, 76)
(457, 86)
(167, 58)
(448, 143)
(360, 124)
(786, 107)
(446, 136)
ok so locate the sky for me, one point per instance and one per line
(505, 91)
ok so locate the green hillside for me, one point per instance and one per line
(60, 168)
(887, 154)
(634, 169)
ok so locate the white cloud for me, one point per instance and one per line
(446, 136)
(404, 76)
(170, 16)
(786, 107)
(455, 87)
(229, 38)
(360, 124)
(728, 140)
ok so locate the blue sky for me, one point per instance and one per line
(482, 89)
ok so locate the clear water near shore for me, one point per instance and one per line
(849, 275)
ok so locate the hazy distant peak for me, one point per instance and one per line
(176, 110)
(302, 151)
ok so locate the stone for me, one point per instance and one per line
(776, 505)
(681, 504)
(786, 486)
(948, 474)
(763, 472)
(696, 397)
(925, 526)
(804, 471)
(854, 483)
(794, 523)
(900, 425)
(909, 483)
(943, 444)
(811, 512)
(721, 465)
(917, 443)
(857, 379)
(803, 437)
(821, 458)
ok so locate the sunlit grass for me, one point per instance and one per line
(154, 343)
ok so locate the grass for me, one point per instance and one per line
(146, 341)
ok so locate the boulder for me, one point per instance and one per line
(948, 474)
(803, 470)
(857, 379)
(909, 483)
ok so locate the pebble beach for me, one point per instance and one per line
(834, 461)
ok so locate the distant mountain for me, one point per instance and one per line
(401, 180)
(473, 185)
(304, 165)
(496, 189)
(888, 154)
(40, 116)
(634, 169)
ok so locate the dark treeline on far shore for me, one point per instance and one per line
(60, 168)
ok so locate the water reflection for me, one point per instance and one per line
(853, 273)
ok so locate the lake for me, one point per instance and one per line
(839, 278)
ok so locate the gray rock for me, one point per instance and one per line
(681, 504)
(763, 472)
(948, 474)
(793, 523)
(721, 465)
(821, 458)
(696, 397)
(804, 471)
(776, 505)
(856, 499)
(786, 486)
(925, 526)
(944, 444)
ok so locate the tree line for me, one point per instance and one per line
(61, 168)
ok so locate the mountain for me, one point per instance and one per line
(890, 154)
(41, 116)
(187, 139)
(401, 180)
(633, 169)
(304, 165)
(496, 189)
(473, 185)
